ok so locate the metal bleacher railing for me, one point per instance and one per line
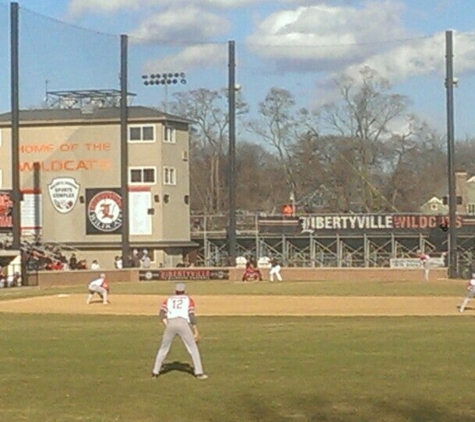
(356, 249)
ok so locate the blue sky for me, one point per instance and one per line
(299, 45)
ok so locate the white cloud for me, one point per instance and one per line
(231, 4)
(197, 56)
(186, 23)
(81, 7)
(321, 37)
(418, 57)
(411, 58)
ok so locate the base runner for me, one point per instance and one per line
(178, 315)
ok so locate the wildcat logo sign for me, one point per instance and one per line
(63, 193)
(104, 211)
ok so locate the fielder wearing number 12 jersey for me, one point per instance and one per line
(178, 315)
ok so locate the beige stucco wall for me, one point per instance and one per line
(90, 154)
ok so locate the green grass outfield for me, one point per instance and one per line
(57, 368)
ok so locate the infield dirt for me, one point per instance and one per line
(243, 305)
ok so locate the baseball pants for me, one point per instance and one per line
(100, 291)
(470, 295)
(178, 327)
(275, 271)
(426, 268)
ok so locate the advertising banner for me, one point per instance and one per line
(362, 223)
(6, 208)
(184, 274)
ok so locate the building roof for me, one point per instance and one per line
(51, 115)
(434, 200)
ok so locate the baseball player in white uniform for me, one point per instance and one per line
(274, 270)
(99, 286)
(178, 315)
(470, 293)
(424, 259)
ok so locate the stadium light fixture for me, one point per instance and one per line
(164, 79)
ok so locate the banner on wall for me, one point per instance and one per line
(140, 202)
(361, 223)
(183, 274)
(31, 212)
(6, 209)
(103, 211)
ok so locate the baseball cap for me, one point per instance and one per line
(180, 287)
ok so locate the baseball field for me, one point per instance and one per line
(290, 351)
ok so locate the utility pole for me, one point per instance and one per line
(15, 104)
(232, 153)
(449, 85)
(124, 150)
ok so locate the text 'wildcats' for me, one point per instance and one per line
(365, 222)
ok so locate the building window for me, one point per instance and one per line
(471, 209)
(142, 133)
(142, 176)
(169, 176)
(169, 134)
(459, 200)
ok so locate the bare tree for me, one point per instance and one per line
(258, 184)
(209, 113)
(277, 128)
(415, 166)
(465, 155)
(327, 178)
(365, 113)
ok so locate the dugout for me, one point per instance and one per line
(11, 273)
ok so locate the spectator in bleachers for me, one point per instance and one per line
(2, 276)
(134, 259)
(196, 227)
(82, 265)
(57, 265)
(73, 262)
(13, 280)
(118, 263)
(60, 257)
(145, 261)
(95, 265)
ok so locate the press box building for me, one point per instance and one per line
(73, 198)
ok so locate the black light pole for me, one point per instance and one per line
(164, 79)
(124, 151)
(232, 154)
(449, 85)
(15, 105)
